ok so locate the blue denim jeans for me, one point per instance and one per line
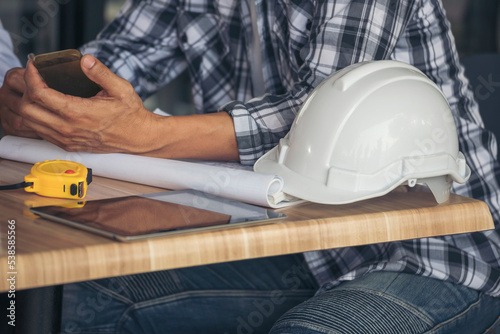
(249, 297)
(239, 297)
(394, 303)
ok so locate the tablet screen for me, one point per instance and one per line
(137, 217)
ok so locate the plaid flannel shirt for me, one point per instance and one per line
(302, 42)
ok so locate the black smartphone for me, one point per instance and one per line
(61, 71)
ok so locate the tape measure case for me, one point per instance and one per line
(59, 178)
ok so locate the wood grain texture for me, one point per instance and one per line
(48, 253)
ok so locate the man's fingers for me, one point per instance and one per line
(32, 77)
(36, 116)
(101, 75)
(11, 101)
(38, 92)
(13, 124)
(11, 94)
(14, 80)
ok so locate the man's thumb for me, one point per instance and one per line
(101, 75)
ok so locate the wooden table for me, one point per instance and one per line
(48, 253)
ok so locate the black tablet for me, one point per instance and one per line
(159, 214)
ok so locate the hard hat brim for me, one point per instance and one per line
(305, 188)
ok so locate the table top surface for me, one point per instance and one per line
(47, 253)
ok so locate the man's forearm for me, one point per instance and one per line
(207, 136)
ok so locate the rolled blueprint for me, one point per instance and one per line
(234, 182)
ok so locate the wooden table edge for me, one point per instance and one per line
(280, 237)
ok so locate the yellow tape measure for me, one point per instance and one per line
(59, 178)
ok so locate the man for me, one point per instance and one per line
(252, 64)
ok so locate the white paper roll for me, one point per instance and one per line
(235, 183)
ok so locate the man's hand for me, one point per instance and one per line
(11, 94)
(114, 120)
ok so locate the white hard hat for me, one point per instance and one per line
(366, 130)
